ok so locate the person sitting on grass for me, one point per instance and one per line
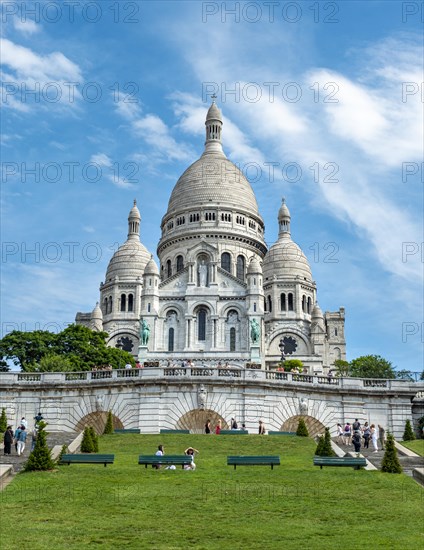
(190, 451)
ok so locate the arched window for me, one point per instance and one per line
(149, 307)
(283, 306)
(130, 302)
(201, 325)
(240, 267)
(290, 301)
(105, 307)
(232, 339)
(265, 308)
(123, 302)
(180, 263)
(226, 261)
(269, 304)
(110, 304)
(335, 332)
(304, 304)
(254, 306)
(309, 307)
(168, 268)
(171, 334)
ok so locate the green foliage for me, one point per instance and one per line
(408, 434)
(390, 463)
(40, 458)
(290, 364)
(109, 424)
(77, 348)
(302, 430)
(371, 366)
(63, 451)
(94, 439)
(3, 421)
(342, 367)
(87, 445)
(324, 445)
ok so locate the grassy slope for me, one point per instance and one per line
(127, 506)
(417, 446)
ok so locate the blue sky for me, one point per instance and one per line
(327, 94)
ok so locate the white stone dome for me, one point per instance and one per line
(97, 312)
(285, 259)
(129, 261)
(254, 266)
(151, 267)
(210, 180)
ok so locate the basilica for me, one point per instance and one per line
(219, 295)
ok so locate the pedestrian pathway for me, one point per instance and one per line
(408, 463)
(53, 438)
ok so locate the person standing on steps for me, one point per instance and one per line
(374, 437)
(8, 440)
(21, 441)
(381, 436)
(367, 435)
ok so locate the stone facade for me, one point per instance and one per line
(216, 279)
(155, 398)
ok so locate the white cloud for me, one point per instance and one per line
(110, 170)
(27, 27)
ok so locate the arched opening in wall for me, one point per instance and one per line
(304, 304)
(98, 420)
(290, 301)
(123, 302)
(180, 263)
(195, 421)
(105, 307)
(309, 306)
(226, 261)
(314, 426)
(337, 354)
(168, 268)
(241, 263)
(171, 335)
(130, 302)
(283, 302)
(269, 304)
(201, 325)
(110, 304)
(232, 339)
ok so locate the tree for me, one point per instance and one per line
(302, 430)
(40, 458)
(341, 367)
(109, 424)
(3, 421)
(76, 348)
(371, 366)
(63, 451)
(290, 364)
(324, 447)
(390, 463)
(408, 434)
(94, 439)
(87, 445)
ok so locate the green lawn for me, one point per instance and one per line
(296, 505)
(417, 446)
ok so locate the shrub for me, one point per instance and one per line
(3, 420)
(95, 439)
(290, 364)
(109, 424)
(63, 451)
(302, 430)
(87, 445)
(390, 463)
(40, 458)
(408, 434)
(324, 447)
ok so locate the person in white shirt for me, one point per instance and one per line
(23, 422)
(159, 452)
(190, 451)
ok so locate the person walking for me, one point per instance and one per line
(374, 438)
(367, 435)
(16, 436)
(8, 440)
(347, 434)
(208, 427)
(381, 436)
(218, 428)
(38, 418)
(21, 441)
(356, 440)
(339, 433)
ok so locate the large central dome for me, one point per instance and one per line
(213, 179)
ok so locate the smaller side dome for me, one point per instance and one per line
(254, 266)
(134, 212)
(151, 267)
(316, 312)
(97, 312)
(214, 113)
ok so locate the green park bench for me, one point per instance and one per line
(233, 432)
(253, 461)
(87, 459)
(175, 431)
(127, 431)
(150, 460)
(347, 461)
(281, 433)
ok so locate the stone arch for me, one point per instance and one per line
(314, 426)
(98, 420)
(196, 419)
